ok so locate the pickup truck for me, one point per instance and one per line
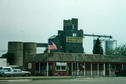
(9, 71)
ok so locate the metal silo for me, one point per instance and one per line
(109, 45)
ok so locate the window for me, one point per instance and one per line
(58, 68)
(8, 69)
(74, 34)
(15, 71)
(61, 66)
(72, 26)
(29, 65)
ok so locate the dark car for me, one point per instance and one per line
(121, 73)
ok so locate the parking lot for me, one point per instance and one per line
(103, 80)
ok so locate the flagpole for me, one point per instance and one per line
(51, 46)
(48, 51)
(48, 63)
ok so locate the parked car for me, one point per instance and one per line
(14, 66)
(2, 70)
(121, 73)
(14, 72)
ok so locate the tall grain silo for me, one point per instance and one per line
(16, 50)
(29, 50)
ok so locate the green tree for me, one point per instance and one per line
(118, 51)
(9, 56)
(97, 47)
(109, 52)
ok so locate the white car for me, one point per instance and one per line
(15, 72)
(2, 70)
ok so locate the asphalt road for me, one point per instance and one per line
(69, 81)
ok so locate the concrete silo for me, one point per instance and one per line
(29, 50)
(16, 49)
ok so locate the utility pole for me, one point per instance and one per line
(75, 59)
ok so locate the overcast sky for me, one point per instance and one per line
(37, 20)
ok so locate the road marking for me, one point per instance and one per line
(85, 80)
(16, 80)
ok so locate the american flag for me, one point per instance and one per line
(51, 46)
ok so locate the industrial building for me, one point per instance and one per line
(70, 39)
(71, 64)
(69, 59)
(64, 64)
